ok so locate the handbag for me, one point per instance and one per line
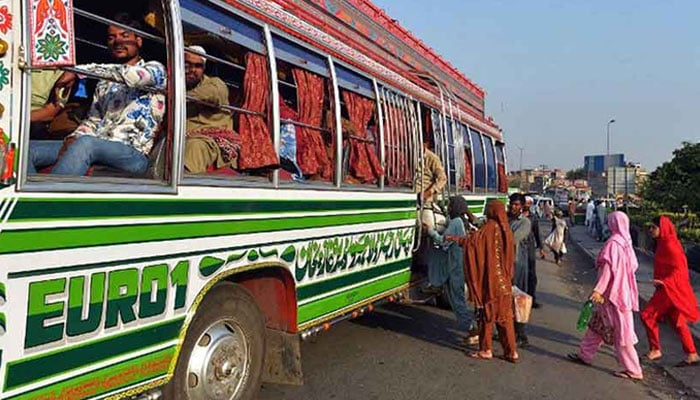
(599, 325)
(522, 304)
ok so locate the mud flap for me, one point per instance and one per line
(282, 358)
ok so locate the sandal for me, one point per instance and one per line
(686, 363)
(627, 375)
(480, 355)
(576, 358)
(512, 359)
(653, 358)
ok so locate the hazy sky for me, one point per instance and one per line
(556, 71)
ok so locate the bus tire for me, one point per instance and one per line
(223, 353)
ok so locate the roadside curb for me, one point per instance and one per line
(642, 303)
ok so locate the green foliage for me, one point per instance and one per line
(688, 225)
(677, 182)
(578, 173)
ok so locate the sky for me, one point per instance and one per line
(555, 72)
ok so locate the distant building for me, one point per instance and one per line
(595, 164)
(625, 180)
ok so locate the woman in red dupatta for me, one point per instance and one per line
(489, 255)
(674, 297)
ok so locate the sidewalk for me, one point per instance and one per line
(670, 342)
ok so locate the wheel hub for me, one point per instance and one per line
(219, 363)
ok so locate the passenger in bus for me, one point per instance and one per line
(127, 110)
(433, 177)
(210, 141)
(45, 105)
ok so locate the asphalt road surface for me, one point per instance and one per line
(411, 352)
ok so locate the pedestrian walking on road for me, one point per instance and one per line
(533, 244)
(616, 297)
(602, 217)
(572, 211)
(489, 255)
(590, 208)
(522, 229)
(674, 297)
(556, 238)
(452, 270)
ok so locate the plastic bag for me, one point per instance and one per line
(523, 305)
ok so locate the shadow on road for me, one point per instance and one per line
(415, 322)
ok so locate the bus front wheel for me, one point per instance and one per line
(223, 353)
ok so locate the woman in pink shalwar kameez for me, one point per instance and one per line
(617, 297)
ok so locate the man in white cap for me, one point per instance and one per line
(206, 95)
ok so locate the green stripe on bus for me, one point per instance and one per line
(35, 209)
(63, 238)
(127, 373)
(315, 289)
(25, 371)
(125, 261)
(347, 298)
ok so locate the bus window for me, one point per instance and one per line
(501, 158)
(307, 145)
(400, 138)
(451, 158)
(467, 179)
(358, 108)
(491, 183)
(479, 161)
(228, 91)
(108, 116)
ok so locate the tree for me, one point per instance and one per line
(578, 173)
(677, 182)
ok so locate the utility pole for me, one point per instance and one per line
(522, 173)
(607, 157)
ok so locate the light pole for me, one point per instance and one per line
(607, 155)
(522, 173)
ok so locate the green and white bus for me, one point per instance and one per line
(201, 285)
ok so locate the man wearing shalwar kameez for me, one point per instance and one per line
(522, 228)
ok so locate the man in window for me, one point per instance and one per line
(210, 138)
(126, 112)
(433, 178)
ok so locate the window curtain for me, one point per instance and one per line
(467, 181)
(404, 175)
(257, 149)
(312, 155)
(502, 178)
(364, 163)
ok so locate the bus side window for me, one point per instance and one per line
(479, 161)
(401, 139)
(111, 117)
(501, 158)
(491, 183)
(307, 130)
(227, 76)
(467, 183)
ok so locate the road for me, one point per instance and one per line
(411, 352)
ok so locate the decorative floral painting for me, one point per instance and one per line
(52, 40)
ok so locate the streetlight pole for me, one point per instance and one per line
(522, 173)
(607, 155)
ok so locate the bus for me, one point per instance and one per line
(194, 267)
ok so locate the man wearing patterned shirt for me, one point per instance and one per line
(126, 113)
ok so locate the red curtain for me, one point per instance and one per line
(467, 182)
(257, 149)
(311, 149)
(364, 163)
(502, 179)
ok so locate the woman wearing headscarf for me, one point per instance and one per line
(489, 255)
(616, 296)
(454, 266)
(674, 297)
